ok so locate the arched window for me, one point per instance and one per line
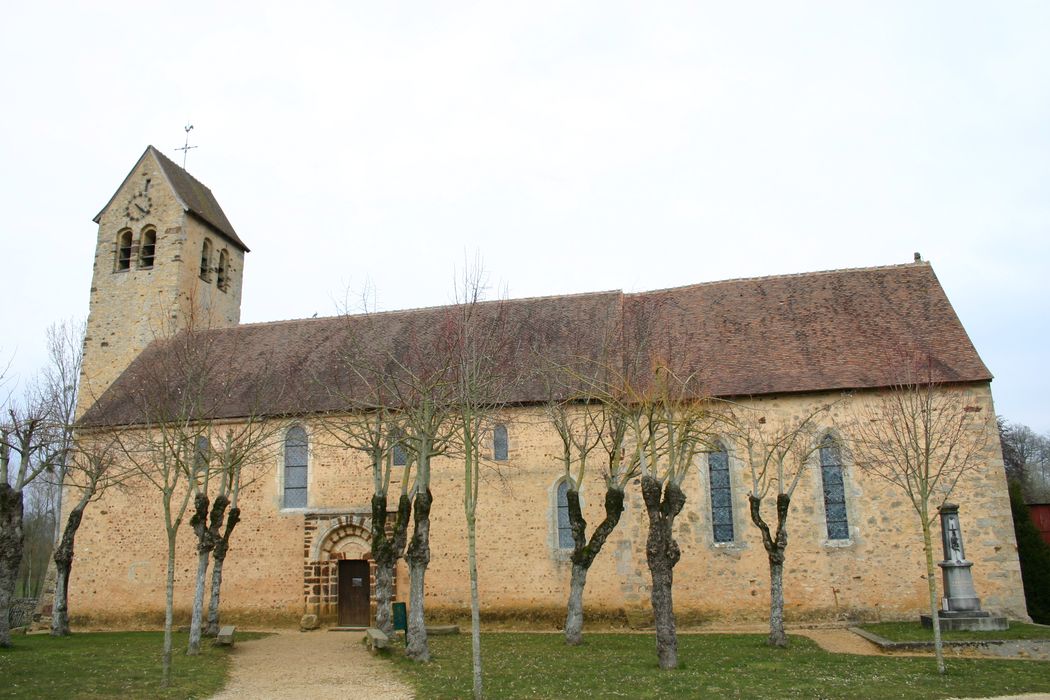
(147, 248)
(499, 443)
(206, 260)
(124, 251)
(721, 495)
(834, 490)
(564, 527)
(400, 453)
(222, 280)
(201, 455)
(295, 454)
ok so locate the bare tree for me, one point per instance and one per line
(243, 455)
(233, 447)
(671, 424)
(921, 437)
(1026, 456)
(61, 387)
(377, 431)
(394, 408)
(30, 446)
(173, 398)
(779, 448)
(483, 350)
(424, 390)
(585, 425)
(89, 472)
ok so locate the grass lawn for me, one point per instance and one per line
(915, 632)
(109, 665)
(710, 666)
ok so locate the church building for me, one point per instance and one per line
(167, 258)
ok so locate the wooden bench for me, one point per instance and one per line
(376, 639)
(225, 636)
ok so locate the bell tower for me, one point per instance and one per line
(166, 258)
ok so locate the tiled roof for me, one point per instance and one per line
(835, 330)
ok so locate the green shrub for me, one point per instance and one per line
(1034, 554)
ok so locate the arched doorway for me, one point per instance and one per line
(340, 574)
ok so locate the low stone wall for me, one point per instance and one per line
(22, 611)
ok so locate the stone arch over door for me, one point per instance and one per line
(330, 539)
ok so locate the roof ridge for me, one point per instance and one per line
(787, 275)
(165, 161)
(413, 309)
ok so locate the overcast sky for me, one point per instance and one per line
(575, 146)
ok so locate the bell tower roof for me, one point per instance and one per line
(191, 193)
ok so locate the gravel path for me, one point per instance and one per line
(310, 666)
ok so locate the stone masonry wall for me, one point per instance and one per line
(277, 557)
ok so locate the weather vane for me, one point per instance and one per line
(187, 146)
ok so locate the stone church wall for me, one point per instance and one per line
(276, 568)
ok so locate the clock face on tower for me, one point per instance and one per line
(139, 206)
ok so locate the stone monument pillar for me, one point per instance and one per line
(959, 594)
(960, 607)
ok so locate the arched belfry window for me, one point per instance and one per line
(222, 278)
(563, 524)
(834, 489)
(500, 445)
(295, 459)
(206, 260)
(721, 488)
(147, 248)
(123, 251)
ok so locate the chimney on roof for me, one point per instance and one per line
(918, 257)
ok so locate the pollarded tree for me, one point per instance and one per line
(584, 426)
(394, 407)
(778, 448)
(236, 454)
(671, 425)
(922, 436)
(376, 430)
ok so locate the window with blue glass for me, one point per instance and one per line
(834, 490)
(499, 443)
(295, 458)
(721, 495)
(564, 527)
(400, 453)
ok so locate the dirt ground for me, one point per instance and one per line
(315, 665)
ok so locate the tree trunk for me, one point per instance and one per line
(196, 616)
(475, 606)
(777, 636)
(11, 543)
(584, 554)
(776, 547)
(63, 565)
(386, 551)
(418, 557)
(661, 554)
(931, 582)
(574, 617)
(222, 546)
(169, 611)
(204, 549)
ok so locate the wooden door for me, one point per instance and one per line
(354, 593)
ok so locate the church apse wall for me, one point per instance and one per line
(283, 561)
